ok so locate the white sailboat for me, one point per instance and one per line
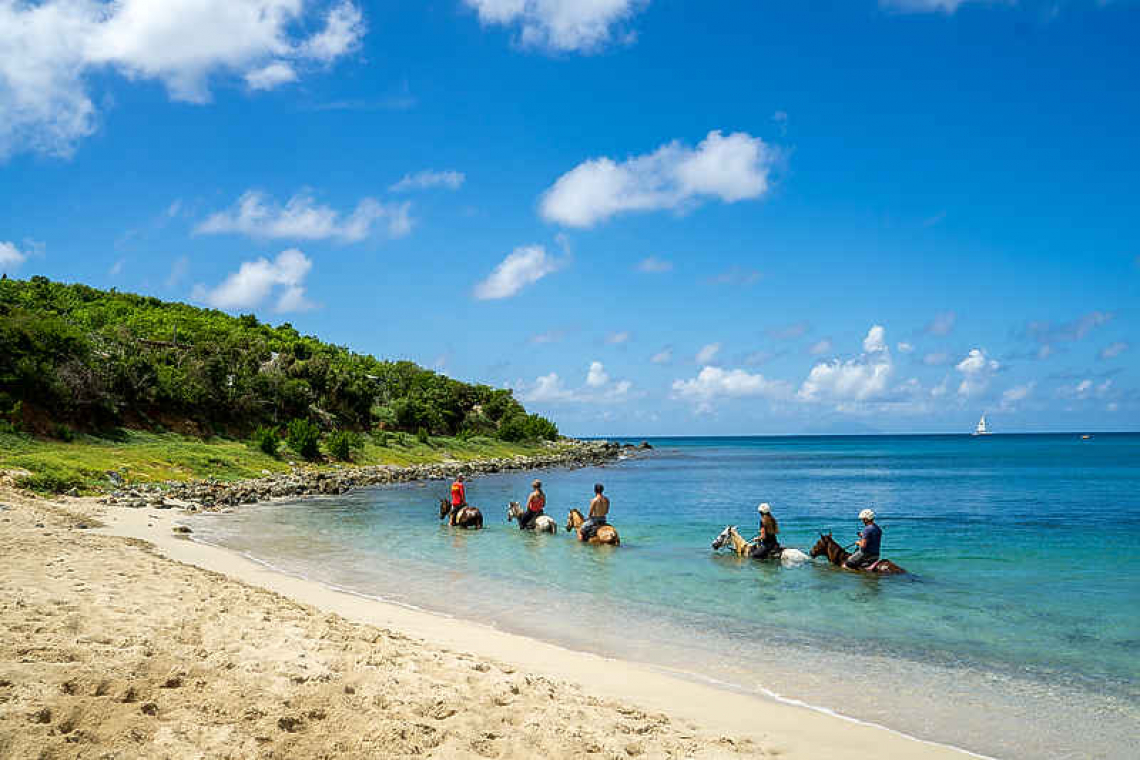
(981, 429)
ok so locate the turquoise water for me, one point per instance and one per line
(1017, 633)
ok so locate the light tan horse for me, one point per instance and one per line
(731, 535)
(605, 535)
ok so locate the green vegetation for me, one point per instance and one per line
(267, 440)
(137, 456)
(342, 443)
(304, 438)
(77, 360)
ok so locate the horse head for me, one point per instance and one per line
(820, 548)
(444, 508)
(514, 511)
(724, 537)
(573, 519)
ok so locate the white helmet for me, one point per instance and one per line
(764, 509)
(867, 514)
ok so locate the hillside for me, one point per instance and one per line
(77, 359)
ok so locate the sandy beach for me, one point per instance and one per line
(123, 638)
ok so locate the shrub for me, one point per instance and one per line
(63, 433)
(422, 436)
(342, 443)
(304, 438)
(383, 438)
(267, 440)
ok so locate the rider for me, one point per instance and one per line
(599, 508)
(535, 503)
(870, 537)
(458, 494)
(768, 531)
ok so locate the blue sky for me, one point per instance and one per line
(646, 217)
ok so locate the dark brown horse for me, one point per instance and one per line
(838, 556)
(464, 517)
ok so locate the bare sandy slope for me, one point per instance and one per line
(110, 650)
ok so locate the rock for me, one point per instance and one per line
(645, 445)
(115, 477)
(181, 529)
(74, 492)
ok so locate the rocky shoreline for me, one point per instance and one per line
(213, 495)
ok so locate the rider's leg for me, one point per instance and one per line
(856, 560)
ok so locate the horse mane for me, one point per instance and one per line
(575, 512)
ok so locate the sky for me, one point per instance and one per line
(647, 217)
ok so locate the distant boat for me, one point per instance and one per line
(1085, 437)
(981, 429)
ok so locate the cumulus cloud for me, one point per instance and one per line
(599, 388)
(654, 265)
(561, 25)
(732, 168)
(428, 178)
(51, 50)
(905, 348)
(976, 370)
(11, 256)
(596, 376)
(1086, 389)
(942, 324)
(524, 266)
(936, 359)
(256, 281)
(1113, 350)
(664, 356)
(707, 353)
(859, 379)
(713, 383)
(302, 218)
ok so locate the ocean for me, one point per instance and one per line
(1016, 633)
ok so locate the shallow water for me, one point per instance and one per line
(1016, 635)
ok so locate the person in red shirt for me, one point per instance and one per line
(458, 494)
(535, 503)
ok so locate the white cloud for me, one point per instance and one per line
(11, 256)
(302, 218)
(732, 168)
(936, 359)
(904, 347)
(942, 324)
(736, 276)
(1113, 350)
(664, 356)
(859, 379)
(560, 25)
(874, 342)
(524, 266)
(271, 76)
(789, 332)
(255, 281)
(617, 338)
(820, 347)
(1016, 394)
(976, 370)
(713, 383)
(116, 268)
(49, 52)
(654, 265)
(429, 178)
(596, 377)
(599, 388)
(1086, 389)
(552, 336)
(1047, 334)
(707, 353)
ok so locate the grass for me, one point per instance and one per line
(56, 466)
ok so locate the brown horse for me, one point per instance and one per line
(605, 535)
(838, 556)
(464, 517)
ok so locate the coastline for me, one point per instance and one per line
(758, 726)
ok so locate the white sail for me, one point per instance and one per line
(981, 429)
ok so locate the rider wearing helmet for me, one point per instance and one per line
(870, 537)
(768, 531)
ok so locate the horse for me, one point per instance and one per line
(730, 534)
(464, 517)
(605, 535)
(838, 556)
(541, 524)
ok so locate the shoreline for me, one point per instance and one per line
(804, 730)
